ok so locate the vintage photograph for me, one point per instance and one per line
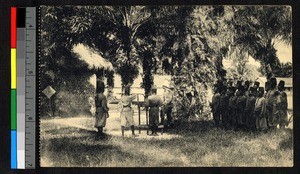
(166, 86)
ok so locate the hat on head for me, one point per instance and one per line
(273, 82)
(241, 88)
(281, 83)
(267, 84)
(252, 89)
(239, 82)
(261, 89)
(100, 86)
(232, 88)
(247, 82)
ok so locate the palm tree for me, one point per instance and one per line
(259, 28)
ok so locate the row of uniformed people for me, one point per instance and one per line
(252, 108)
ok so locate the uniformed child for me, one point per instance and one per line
(272, 104)
(260, 111)
(283, 105)
(224, 101)
(101, 108)
(241, 104)
(256, 86)
(232, 107)
(246, 87)
(215, 105)
(249, 110)
(267, 88)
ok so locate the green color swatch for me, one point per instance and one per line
(13, 109)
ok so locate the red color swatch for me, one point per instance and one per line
(13, 26)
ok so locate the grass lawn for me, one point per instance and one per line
(194, 144)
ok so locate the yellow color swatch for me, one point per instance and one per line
(13, 68)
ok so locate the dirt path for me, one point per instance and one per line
(112, 126)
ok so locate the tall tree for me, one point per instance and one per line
(259, 28)
(202, 46)
(127, 22)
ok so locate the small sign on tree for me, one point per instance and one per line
(49, 91)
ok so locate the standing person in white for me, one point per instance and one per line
(127, 111)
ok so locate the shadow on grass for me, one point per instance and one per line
(194, 127)
(199, 143)
(85, 151)
(191, 132)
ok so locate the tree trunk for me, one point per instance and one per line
(148, 66)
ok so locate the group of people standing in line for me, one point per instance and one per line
(246, 108)
(238, 107)
(157, 107)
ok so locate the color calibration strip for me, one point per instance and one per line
(13, 25)
(23, 87)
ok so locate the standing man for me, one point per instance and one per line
(101, 108)
(224, 101)
(271, 104)
(267, 88)
(215, 105)
(256, 86)
(154, 102)
(127, 111)
(283, 105)
(249, 110)
(167, 106)
(232, 107)
(260, 111)
(241, 104)
(246, 87)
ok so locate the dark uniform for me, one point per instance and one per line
(154, 102)
(246, 88)
(256, 86)
(249, 110)
(224, 104)
(232, 108)
(215, 106)
(267, 88)
(241, 104)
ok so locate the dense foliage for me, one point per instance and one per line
(188, 42)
